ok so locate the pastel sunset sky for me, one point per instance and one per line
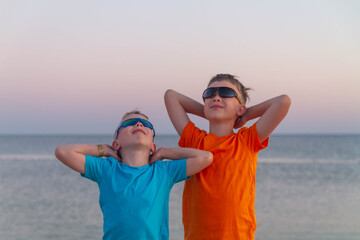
(74, 67)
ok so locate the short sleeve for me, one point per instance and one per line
(176, 170)
(95, 167)
(191, 136)
(251, 137)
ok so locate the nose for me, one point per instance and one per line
(139, 124)
(216, 97)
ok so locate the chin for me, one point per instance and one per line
(215, 118)
(219, 117)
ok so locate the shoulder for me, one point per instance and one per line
(169, 165)
(248, 130)
(91, 160)
(192, 128)
(96, 168)
(191, 134)
(174, 170)
(250, 136)
(159, 169)
(243, 130)
(163, 164)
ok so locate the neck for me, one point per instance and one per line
(135, 157)
(222, 128)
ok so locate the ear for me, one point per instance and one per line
(153, 148)
(116, 146)
(241, 110)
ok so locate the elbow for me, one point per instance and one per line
(285, 100)
(168, 93)
(170, 97)
(208, 158)
(59, 152)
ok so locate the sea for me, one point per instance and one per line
(307, 187)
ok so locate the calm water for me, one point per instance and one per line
(307, 187)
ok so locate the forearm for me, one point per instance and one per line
(271, 113)
(191, 106)
(196, 161)
(73, 155)
(82, 149)
(180, 153)
(188, 104)
(178, 106)
(259, 109)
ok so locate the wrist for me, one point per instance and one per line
(244, 118)
(101, 150)
(163, 153)
(247, 114)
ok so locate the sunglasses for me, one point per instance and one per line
(224, 92)
(134, 121)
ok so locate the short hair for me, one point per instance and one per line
(135, 111)
(232, 79)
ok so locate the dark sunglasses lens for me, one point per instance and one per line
(208, 93)
(226, 92)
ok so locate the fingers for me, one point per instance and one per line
(109, 151)
(237, 122)
(116, 156)
(155, 157)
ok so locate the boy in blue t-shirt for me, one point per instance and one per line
(134, 188)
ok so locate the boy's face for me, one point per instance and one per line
(135, 135)
(217, 108)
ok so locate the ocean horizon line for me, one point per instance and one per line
(262, 160)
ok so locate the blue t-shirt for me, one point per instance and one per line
(134, 200)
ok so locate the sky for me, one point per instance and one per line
(75, 67)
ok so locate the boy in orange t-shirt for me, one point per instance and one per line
(219, 201)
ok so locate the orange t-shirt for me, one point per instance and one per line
(219, 201)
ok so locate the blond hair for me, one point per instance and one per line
(135, 111)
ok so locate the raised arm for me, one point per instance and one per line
(271, 113)
(178, 106)
(73, 155)
(197, 160)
